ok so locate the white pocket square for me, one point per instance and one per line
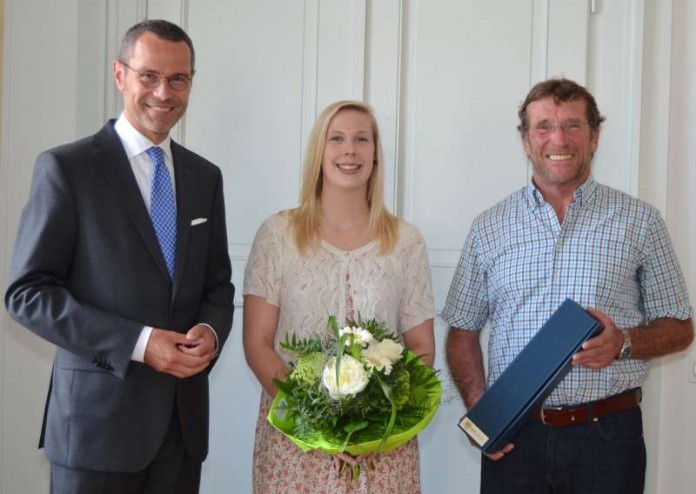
(198, 221)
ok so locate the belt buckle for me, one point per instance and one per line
(543, 416)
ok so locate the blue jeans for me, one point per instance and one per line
(603, 457)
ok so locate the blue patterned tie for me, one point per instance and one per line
(163, 208)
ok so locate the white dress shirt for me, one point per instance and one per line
(136, 146)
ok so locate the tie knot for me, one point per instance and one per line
(156, 154)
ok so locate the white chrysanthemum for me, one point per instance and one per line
(351, 380)
(381, 355)
(362, 336)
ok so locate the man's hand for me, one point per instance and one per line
(200, 342)
(600, 351)
(180, 355)
(465, 361)
(499, 454)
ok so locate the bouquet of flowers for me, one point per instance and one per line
(355, 390)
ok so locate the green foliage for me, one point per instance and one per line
(401, 390)
(308, 369)
(391, 402)
(301, 347)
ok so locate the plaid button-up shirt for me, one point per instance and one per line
(612, 252)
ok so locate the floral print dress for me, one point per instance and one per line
(394, 288)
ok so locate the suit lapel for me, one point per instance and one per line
(114, 163)
(186, 184)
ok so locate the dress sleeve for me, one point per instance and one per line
(417, 303)
(262, 275)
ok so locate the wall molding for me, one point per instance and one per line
(634, 47)
(310, 75)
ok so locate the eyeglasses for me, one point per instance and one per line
(570, 127)
(177, 82)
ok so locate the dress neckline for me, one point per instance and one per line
(341, 252)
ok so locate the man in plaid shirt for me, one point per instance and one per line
(565, 235)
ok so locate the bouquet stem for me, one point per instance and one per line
(354, 472)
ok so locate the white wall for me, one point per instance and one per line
(445, 78)
(677, 429)
(38, 111)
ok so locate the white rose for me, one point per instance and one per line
(351, 380)
(362, 336)
(381, 355)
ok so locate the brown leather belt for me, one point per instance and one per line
(594, 410)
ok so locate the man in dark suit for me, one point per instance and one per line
(138, 311)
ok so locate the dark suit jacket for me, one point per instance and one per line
(88, 274)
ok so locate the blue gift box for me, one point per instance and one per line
(503, 409)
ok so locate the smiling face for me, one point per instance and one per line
(559, 143)
(154, 111)
(349, 151)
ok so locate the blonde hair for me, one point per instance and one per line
(305, 218)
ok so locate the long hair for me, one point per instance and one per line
(305, 219)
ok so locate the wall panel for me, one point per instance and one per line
(675, 451)
(39, 111)
(615, 78)
(258, 81)
(462, 90)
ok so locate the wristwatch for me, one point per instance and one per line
(626, 348)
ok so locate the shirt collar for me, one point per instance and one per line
(586, 191)
(135, 143)
(582, 194)
(535, 197)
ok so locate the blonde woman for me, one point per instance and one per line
(342, 253)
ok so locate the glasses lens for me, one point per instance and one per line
(544, 129)
(152, 79)
(179, 82)
(149, 79)
(572, 127)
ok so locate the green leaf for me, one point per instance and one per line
(284, 386)
(339, 356)
(386, 389)
(332, 325)
(356, 426)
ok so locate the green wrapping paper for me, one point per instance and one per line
(401, 434)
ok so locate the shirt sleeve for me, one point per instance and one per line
(466, 306)
(662, 282)
(140, 345)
